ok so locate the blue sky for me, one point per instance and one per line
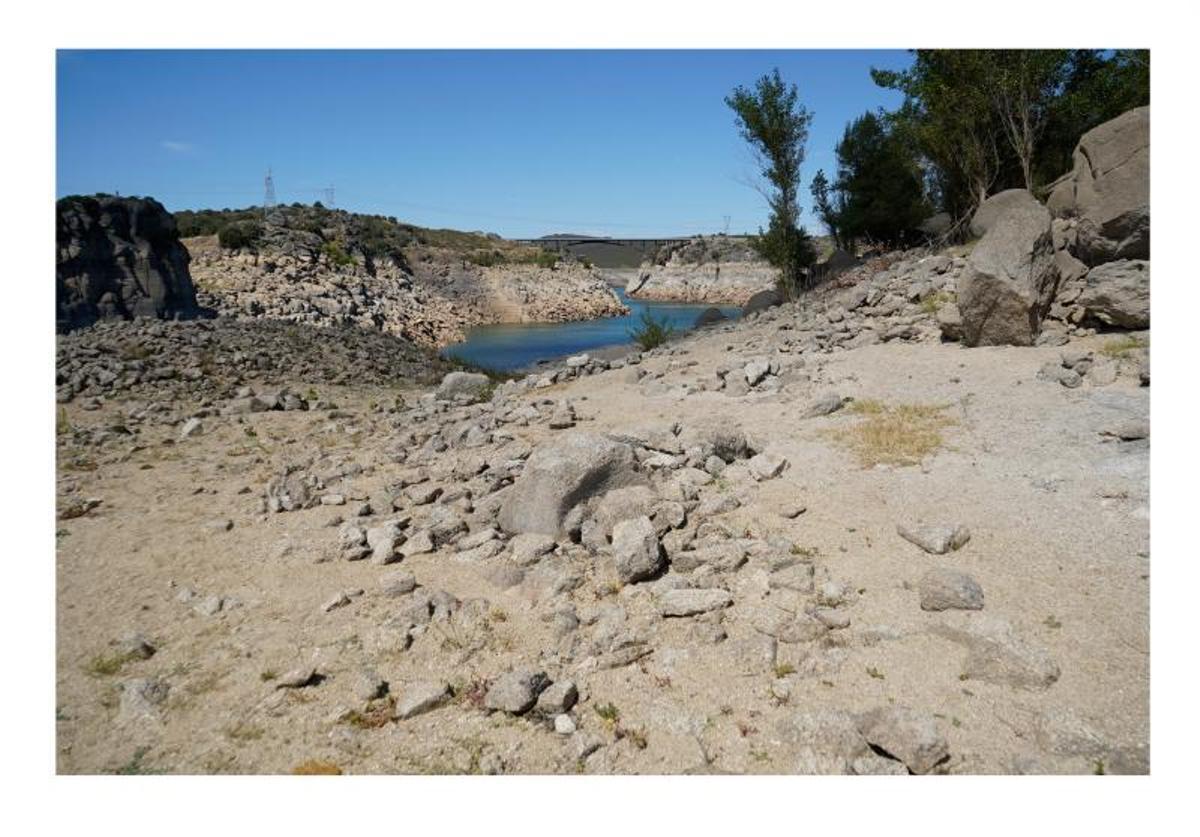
(523, 143)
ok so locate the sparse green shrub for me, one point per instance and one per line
(652, 332)
(546, 259)
(240, 235)
(336, 255)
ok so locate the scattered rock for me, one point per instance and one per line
(945, 589)
(936, 539)
(516, 692)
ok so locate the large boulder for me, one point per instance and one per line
(996, 207)
(559, 476)
(761, 301)
(1118, 294)
(464, 386)
(1108, 190)
(1010, 276)
(119, 258)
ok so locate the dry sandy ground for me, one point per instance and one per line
(1059, 516)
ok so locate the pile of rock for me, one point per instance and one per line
(430, 298)
(205, 357)
(1040, 273)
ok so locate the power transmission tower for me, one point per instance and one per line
(329, 197)
(726, 229)
(269, 194)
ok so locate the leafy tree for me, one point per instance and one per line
(985, 120)
(240, 235)
(829, 207)
(772, 120)
(1023, 85)
(1097, 88)
(949, 115)
(880, 183)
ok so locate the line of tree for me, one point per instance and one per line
(976, 122)
(972, 123)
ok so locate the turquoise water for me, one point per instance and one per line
(516, 346)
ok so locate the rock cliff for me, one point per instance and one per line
(119, 258)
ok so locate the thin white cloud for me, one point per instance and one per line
(177, 147)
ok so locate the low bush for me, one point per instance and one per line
(652, 332)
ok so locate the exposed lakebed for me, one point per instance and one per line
(513, 346)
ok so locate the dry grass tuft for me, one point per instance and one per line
(901, 434)
(1123, 346)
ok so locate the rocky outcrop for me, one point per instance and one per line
(1108, 190)
(1010, 277)
(558, 477)
(119, 258)
(717, 270)
(996, 207)
(1117, 294)
(432, 302)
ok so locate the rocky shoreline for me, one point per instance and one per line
(433, 303)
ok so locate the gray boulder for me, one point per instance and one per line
(996, 207)
(636, 549)
(470, 386)
(906, 734)
(1118, 294)
(516, 692)
(1009, 281)
(689, 602)
(761, 301)
(560, 475)
(945, 589)
(1108, 190)
(937, 539)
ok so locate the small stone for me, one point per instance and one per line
(945, 589)
(529, 548)
(792, 510)
(689, 602)
(517, 691)
(368, 686)
(557, 698)
(222, 524)
(191, 427)
(297, 678)
(421, 697)
(937, 539)
(905, 734)
(756, 370)
(1128, 430)
(636, 549)
(340, 600)
(398, 583)
(823, 406)
(210, 605)
(135, 646)
(564, 725)
(765, 466)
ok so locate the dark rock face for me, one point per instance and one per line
(1108, 190)
(119, 258)
(761, 301)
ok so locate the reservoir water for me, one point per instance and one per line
(514, 346)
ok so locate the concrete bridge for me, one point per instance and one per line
(564, 243)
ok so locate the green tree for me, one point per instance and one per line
(949, 115)
(829, 207)
(880, 185)
(772, 120)
(1098, 87)
(1023, 85)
